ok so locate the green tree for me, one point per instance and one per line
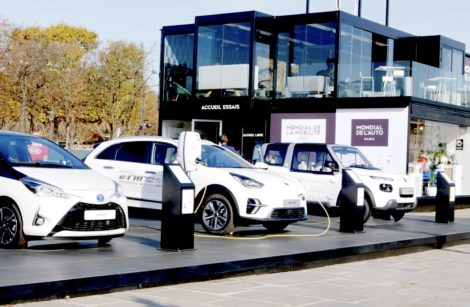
(118, 89)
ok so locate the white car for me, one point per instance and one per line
(319, 167)
(47, 192)
(229, 189)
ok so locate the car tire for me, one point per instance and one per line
(217, 215)
(104, 240)
(398, 215)
(367, 210)
(11, 226)
(275, 226)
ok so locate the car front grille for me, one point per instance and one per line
(290, 213)
(74, 219)
(407, 192)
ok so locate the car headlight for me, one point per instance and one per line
(247, 182)
(381, 178)
(42, 189)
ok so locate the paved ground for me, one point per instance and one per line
(434, 277)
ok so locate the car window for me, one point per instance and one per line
(275, 154)
(163, 153)
(216, 156)
(311, 159)
(24, 150)
(128, 152)
(351, 157)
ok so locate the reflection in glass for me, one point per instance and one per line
(223, 57)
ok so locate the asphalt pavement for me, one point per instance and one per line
(429, 277)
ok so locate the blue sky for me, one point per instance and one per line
(140, 21)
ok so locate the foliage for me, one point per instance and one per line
(59, 78)
(436, 157)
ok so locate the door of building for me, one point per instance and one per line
(208, 129)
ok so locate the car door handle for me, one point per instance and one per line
(108, 167)
(151, 172)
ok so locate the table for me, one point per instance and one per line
(388, 82)
(441, 85)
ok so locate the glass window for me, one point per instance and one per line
(38, 152)
(306, 61)
(163, 153)
(128, 152)
(264, 64)
(178, 67)
(275, 154)
(311, 159)
(355, 73)
(223, 57)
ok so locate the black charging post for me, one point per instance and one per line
(351, 205)
(177, 210)
(445, 198)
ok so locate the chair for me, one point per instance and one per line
(316, 85)
(388, 86)
(367, 79)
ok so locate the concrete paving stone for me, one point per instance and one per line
(237, 302)
(286, 298)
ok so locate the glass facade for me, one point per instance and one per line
(264, 64)
(425, 137)
(366, 65)
(306, 56)
(178, 67)
(223, 58)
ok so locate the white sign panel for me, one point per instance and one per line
(381, 134)
(303, 130)
(187, 201)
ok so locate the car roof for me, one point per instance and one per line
(15, 133)
(150, 138)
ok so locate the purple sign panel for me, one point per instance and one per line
(369, 132)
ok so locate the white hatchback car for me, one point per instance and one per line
(230, 190)
(47, 192)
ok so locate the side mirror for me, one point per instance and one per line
(261, 165)
(331, 165)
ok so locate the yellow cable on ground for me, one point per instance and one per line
(231, 237)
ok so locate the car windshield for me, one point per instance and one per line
(351, 157)
(30, 151)
(216, 156)
(275, 154)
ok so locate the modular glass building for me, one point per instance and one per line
(323, 77)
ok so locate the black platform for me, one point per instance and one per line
(52, 269)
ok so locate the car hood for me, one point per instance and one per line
(269, 178)
(362, 172)
(72, 181)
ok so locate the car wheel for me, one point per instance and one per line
(102, 241)
(11, 227)
(275, 226)
(217, 215)
(398, 215)
(367, 210)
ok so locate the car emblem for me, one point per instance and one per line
(100, 197)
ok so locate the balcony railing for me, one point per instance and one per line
(405, 79)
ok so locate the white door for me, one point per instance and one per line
(322, 183)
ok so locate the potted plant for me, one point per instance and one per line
(436, 158)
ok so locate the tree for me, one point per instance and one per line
(119, 88)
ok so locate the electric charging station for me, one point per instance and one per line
(445, 199)
(179, 193)
(351, 204)
(177, 210)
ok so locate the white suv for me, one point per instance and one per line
(319, 168)
(230, 190)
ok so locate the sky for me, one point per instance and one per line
(140, 21)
